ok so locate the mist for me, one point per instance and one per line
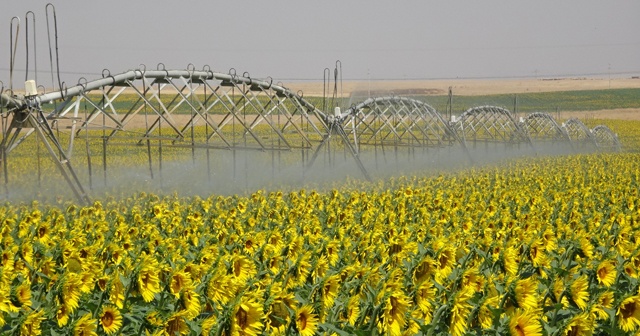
(239, 172)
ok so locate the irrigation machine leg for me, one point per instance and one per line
(64, 165)
(354, 153)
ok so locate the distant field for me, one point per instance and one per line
(561, 101)
(589, 100)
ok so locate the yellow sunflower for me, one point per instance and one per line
(221, 287)
(579, 325)
(628, 314)
(247, 318)
(148, 283)
(485, 315)
(424, 270)
(110, 319)
(176, 324)
(191, 301)
(330, 290)
(460, 311)
(62, 314)
(116, 294)
(425, 293)
(23, 294)
(31, 325)
(523, 323)
(85, 326)
(306, 321)
(605, 301)
(526, 293)
(353, 310)
(242, 268)
(606, 273)
(208, 324)
(71, 291)
(579, 291)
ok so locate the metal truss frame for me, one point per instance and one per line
(541, 127)
(490, 124)
(397, 121)
(605, 138)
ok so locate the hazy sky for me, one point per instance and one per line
(289, 39)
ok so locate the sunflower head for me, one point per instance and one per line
(110, 319)
(306, 321)
(85, 326)
(579, 291)
(247, 318)
(628, 313)
(579, 325)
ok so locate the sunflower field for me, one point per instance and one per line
(534, 246)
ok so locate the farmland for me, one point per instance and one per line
(543, 245)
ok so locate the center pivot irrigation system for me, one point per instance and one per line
(205, 112)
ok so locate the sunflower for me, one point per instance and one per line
(179, 281)
(23, 294)
(208, 324)
(306, 321)
(176, 324)
(558, 291)
(246, 319)
(148, 283)
(5, 299)
(606, 273)
(85, 326)
(278, 315)
(525, 291)
(510, 259)
(579, 291)
(31, 325)
(628, 314)
(523, 323)
(630, 270)
(586, 247)
(102, 283)
(471, 277)
(579, 325)
(330, 290)
(116, 294)
(605, 301)
(332, 252)
(191, 302)
(353, 310)
(71, 291)
(485, 315)
(424, 270)
(110, 319)
(460, 311)
(42, 233)
(425, 293)
(62, 314)
(242, 268)
(87, 282)
(445, 263)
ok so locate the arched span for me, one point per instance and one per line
(186, 108)
(398, 121)
(489, 124)
(577, 131)
(605, 138)
(156, 76)
(541, 126)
